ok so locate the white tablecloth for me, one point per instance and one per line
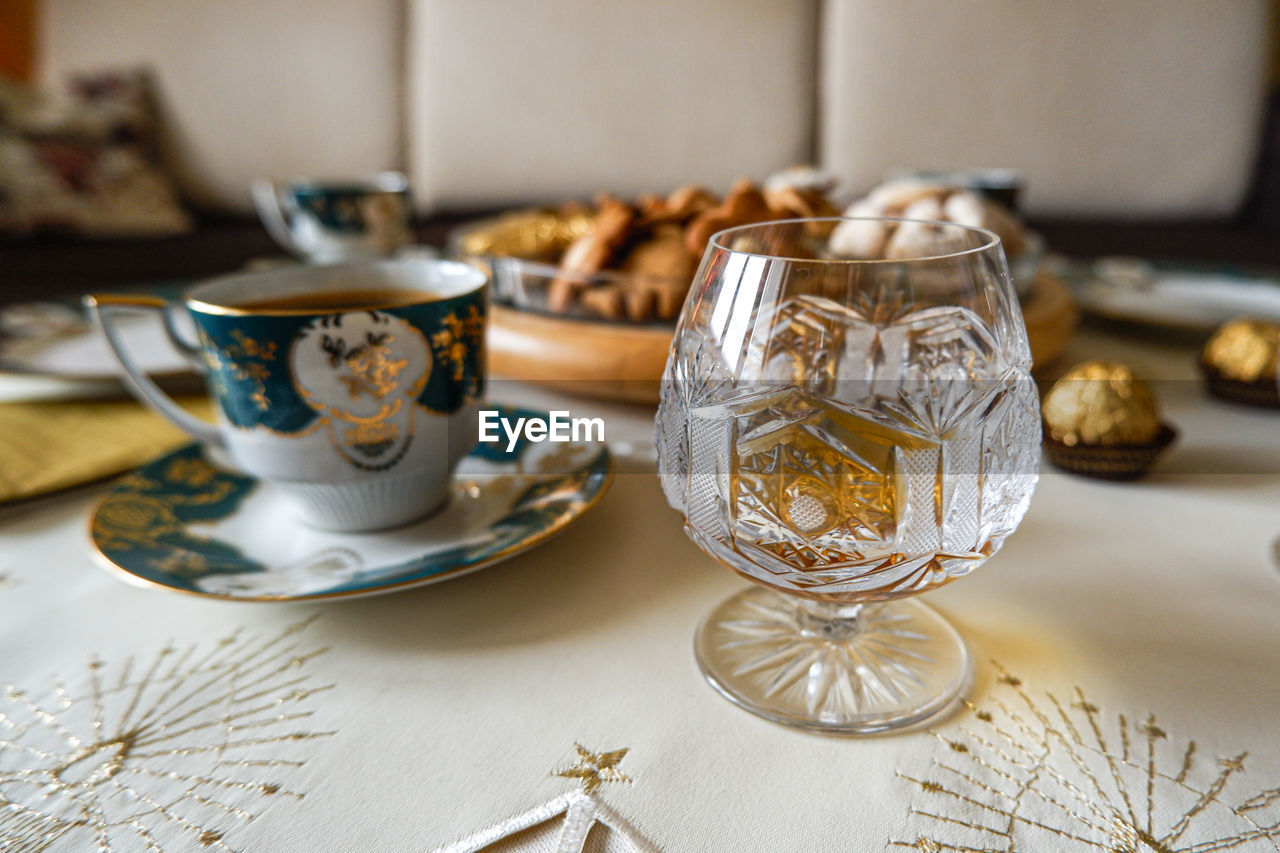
(1130, 620)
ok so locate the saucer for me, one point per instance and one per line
(185, 523)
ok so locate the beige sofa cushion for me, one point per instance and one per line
(249, 88)
(1125, 107)
(541, 101)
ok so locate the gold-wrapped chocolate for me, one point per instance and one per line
(1101, 404)
(1102, 421)
(1245, 350)
(532, 235)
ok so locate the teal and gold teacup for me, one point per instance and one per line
(351, 388)
(328, 222)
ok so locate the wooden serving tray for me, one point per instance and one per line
(615, 361)
(1051, 316)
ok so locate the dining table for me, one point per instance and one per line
(1126, 692)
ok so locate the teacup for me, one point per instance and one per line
(352, 388)
(327, 222)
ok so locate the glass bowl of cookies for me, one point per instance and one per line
(620, 260)
(632, 260)
(586, 295)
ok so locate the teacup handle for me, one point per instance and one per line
(101, 307)
(189, 349)
(267, 200)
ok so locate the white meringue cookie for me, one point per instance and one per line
(915, 198)
(860, 239)
(912, 240)
(927, 208)
(803, 178)
(967, 208)
(893, 198)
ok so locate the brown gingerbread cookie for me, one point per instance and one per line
(799, 202)
(743, 205)
(662, 256)
(604, 300)
(650, 207)
(687, 202)
(668, 297)
(681, 205)
(641, 304)
(591, 252)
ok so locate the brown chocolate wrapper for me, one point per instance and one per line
(1109, 462)
(1259, 392)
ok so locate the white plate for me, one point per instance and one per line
(1189, 298)
(82, 354)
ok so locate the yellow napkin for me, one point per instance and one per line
(54, 445)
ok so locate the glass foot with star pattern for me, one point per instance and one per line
(831, 668)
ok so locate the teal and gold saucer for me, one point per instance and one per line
(184, 523)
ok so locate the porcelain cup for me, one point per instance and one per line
(352, 388)
(336, 221)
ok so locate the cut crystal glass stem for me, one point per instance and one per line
(839, 669)
(828, 620)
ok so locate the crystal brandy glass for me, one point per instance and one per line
(847, 432)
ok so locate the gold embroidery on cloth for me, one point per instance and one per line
(157, 751)
(595, 768)
(1052, 775)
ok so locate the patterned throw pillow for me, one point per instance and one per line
(86, 162)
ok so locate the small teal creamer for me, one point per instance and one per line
(353, 386)
(332, 221)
